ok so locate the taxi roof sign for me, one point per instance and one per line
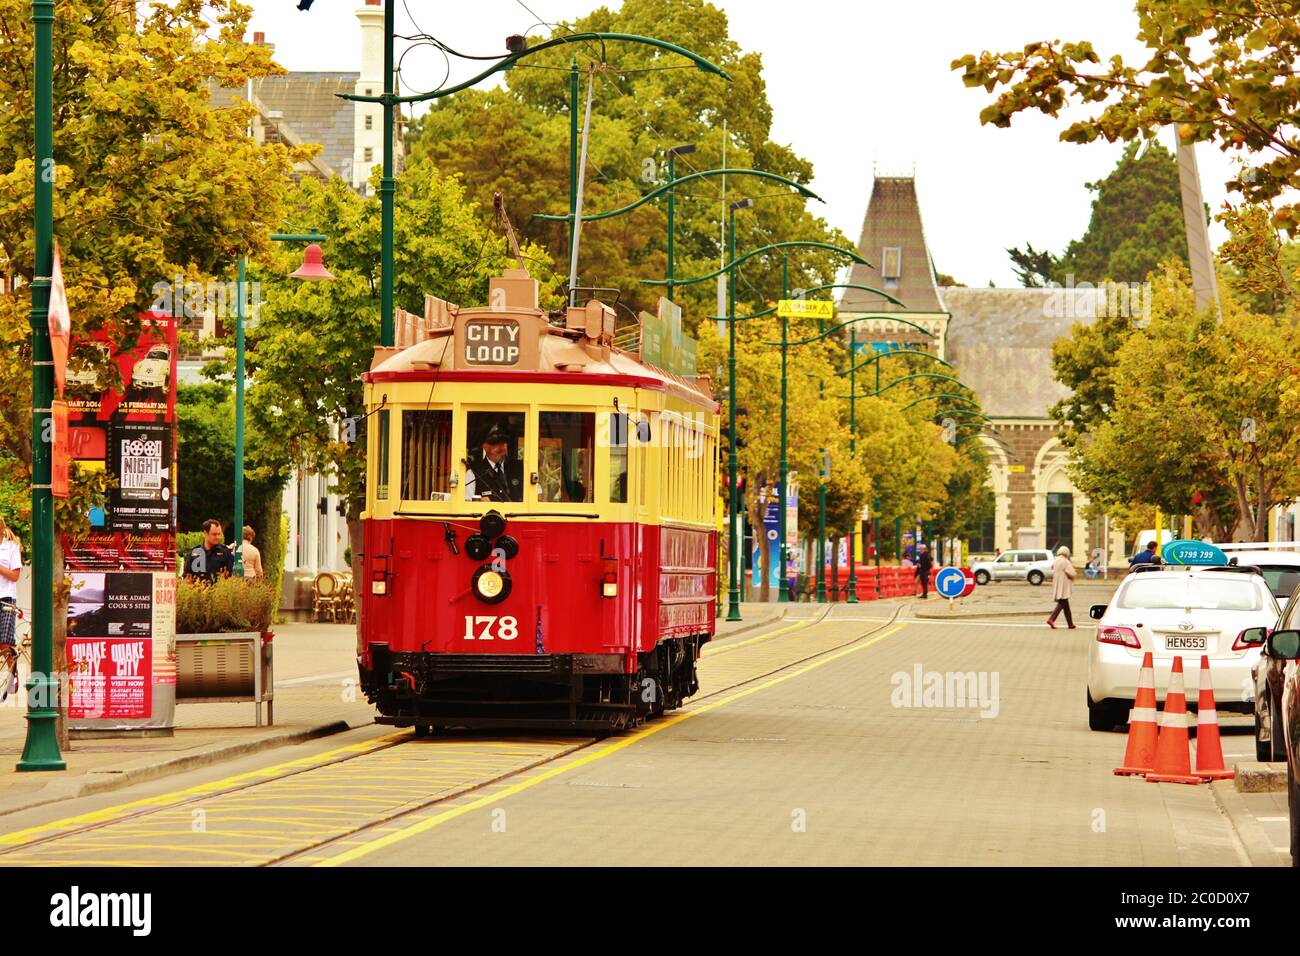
(1200, 553)
(805, 309)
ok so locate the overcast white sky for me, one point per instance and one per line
(854, 87)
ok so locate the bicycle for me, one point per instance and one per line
(12, 654)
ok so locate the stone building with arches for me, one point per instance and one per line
(1000, 341)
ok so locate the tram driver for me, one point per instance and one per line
(493, 475)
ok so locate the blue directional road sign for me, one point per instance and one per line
(950, 582)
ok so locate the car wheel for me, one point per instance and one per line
(1104, 716)
(1035, 578)
(1263, 748)
(982, 577)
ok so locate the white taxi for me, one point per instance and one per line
(1185, 612)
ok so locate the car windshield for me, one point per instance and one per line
(1184, 591)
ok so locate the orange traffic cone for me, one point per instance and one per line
(1140, 757)
(1209, 749)
(1173, 750)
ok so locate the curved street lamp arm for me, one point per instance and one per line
(803, 191)
(945, 378)
(505, 63)
(951, 395)
(879, 355)
(791, 244)
(962, 410)
(865, 288)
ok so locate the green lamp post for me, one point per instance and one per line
(41, 750)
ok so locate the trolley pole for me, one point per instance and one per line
(41, 751)
(573, 152)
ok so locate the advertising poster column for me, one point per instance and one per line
(121, 639)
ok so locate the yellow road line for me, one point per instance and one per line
(415, 829)
(203, 789)
(712, 649)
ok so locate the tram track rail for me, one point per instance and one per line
(151, 807)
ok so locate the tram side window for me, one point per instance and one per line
(618, 441)
(494, 462)
(426, 455)
(565, 456)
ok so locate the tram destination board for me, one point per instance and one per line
(492, 342)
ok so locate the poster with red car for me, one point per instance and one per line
(129, 432)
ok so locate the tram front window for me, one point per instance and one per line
(494, 462)
(565, 450)
(426, 455)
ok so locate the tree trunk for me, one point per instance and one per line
(1245, 530)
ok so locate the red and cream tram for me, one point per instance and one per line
(540, 523)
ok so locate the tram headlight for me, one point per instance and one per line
(491, 524)
(508, 545)
(478, 547)
(489, 586)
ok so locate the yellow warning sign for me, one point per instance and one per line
(805, 309)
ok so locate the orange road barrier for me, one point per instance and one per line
(1209, 748)
(1173, 749)
(1140, 756)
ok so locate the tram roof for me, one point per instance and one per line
(515, 341)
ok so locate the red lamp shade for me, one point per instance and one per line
(312, 268)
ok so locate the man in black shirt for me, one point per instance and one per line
(493, 477)
(924, 562)
(212, 559)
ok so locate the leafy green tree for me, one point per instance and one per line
(205, 452)
(515, 141)
(1137, 223)
(1203, 420)
(150, 181)
(1221, 70)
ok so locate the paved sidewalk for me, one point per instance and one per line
(315, 693)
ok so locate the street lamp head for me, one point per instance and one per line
(313, 267)
(742, 204)
(682, 150)
(516, 43)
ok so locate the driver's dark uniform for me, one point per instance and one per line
(498, 482)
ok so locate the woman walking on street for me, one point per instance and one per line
(1062, 575)
(11, 568)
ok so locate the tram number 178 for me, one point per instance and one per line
(490, 628)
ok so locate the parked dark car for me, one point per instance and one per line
(1284, 645)
(1268, 685)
